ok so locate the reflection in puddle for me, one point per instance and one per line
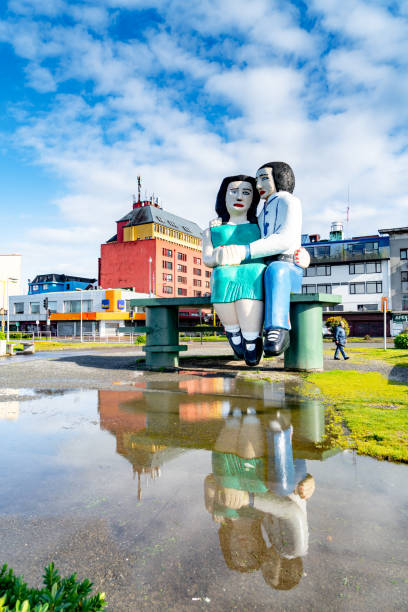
(235, 494)
(260, 439)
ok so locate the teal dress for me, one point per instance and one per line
(245, 281)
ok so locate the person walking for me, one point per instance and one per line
(340, 340)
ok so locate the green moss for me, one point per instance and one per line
(372, 410)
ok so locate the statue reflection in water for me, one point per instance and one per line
(258, 493)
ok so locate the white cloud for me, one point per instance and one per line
(217, 89)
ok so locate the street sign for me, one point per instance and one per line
(384, 303)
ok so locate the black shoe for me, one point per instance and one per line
(347, 358)
(276, 341)
(253, 357)
(337, 358)
(237, 348)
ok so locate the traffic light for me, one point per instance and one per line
(45, 303)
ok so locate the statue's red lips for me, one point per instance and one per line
(261, 192)
(237, 205)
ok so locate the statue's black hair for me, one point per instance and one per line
(220, 206)
(283, 176)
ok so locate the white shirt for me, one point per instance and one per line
(280, 222)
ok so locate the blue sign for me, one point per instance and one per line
(105, 304)
(121, 304)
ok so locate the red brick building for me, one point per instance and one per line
(155, 252)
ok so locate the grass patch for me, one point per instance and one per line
(392, 356)
(367, 412)
(46, 345)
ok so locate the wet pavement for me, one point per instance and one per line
(199, 492)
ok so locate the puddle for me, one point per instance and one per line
(201, 493)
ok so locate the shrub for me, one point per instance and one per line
(401, 341)
(66, 594)
(367, 337)
(141, 339)
(333, 322)
(2, 336)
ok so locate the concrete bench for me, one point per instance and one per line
(28, 347)
(162, 346)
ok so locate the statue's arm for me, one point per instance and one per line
(209, 253)
(289, 234)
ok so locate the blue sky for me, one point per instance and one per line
(94, 93)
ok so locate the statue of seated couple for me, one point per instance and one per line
(258, 261)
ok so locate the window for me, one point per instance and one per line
(323, 270)
(197, 271)
(197, 293)
(324, 288)
(181, 291)
(357, 288)
(356, 249)
(404, 302)
(197, 260)
(363, 307)
(34, 307)
(322, 251)
(167, 289)
(45, 287)
(404, 276)
(182, 280)
(168, 265)
(374, 287)
(19, 308)
(357, 268)
(167, 253)
(373, 266)
(196, 282)
(181, 268)
(310, 271)
(167, 277)
(75, 306)
(181, 256)
(309, 289)
(207, 274)
(371, 247)
(404, 281)
(52, 306)
(310, 250)
(35, 287)
(336, 307)
(207, 284)
(403, 253)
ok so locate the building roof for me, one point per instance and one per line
(113, 239)
(394, 230)
(60, 278)
(151, 214)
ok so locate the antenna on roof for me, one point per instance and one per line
(139, 187)
(134, 199)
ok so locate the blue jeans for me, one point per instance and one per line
(340, 348)
(284, 473)
(280, 280)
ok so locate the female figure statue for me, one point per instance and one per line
(237, 290)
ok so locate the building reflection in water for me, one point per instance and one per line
(260, 437)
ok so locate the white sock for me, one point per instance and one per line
(233, 329)
(250, 335)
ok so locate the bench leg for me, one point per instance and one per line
(306, 340)
(162, 341)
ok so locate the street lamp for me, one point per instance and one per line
(150, 276)
(13, 280)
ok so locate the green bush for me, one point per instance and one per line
(2, 336)
(58, 594)
(333, 322)
(401, 341)
(141, 339)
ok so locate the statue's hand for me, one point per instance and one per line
(302, 257)
(230, 255)
(215, 222)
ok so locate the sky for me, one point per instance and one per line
(94, 93)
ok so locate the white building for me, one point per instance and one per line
(10, 281)
(99, 311)
(357, 269)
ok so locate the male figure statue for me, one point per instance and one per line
(280, 224)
